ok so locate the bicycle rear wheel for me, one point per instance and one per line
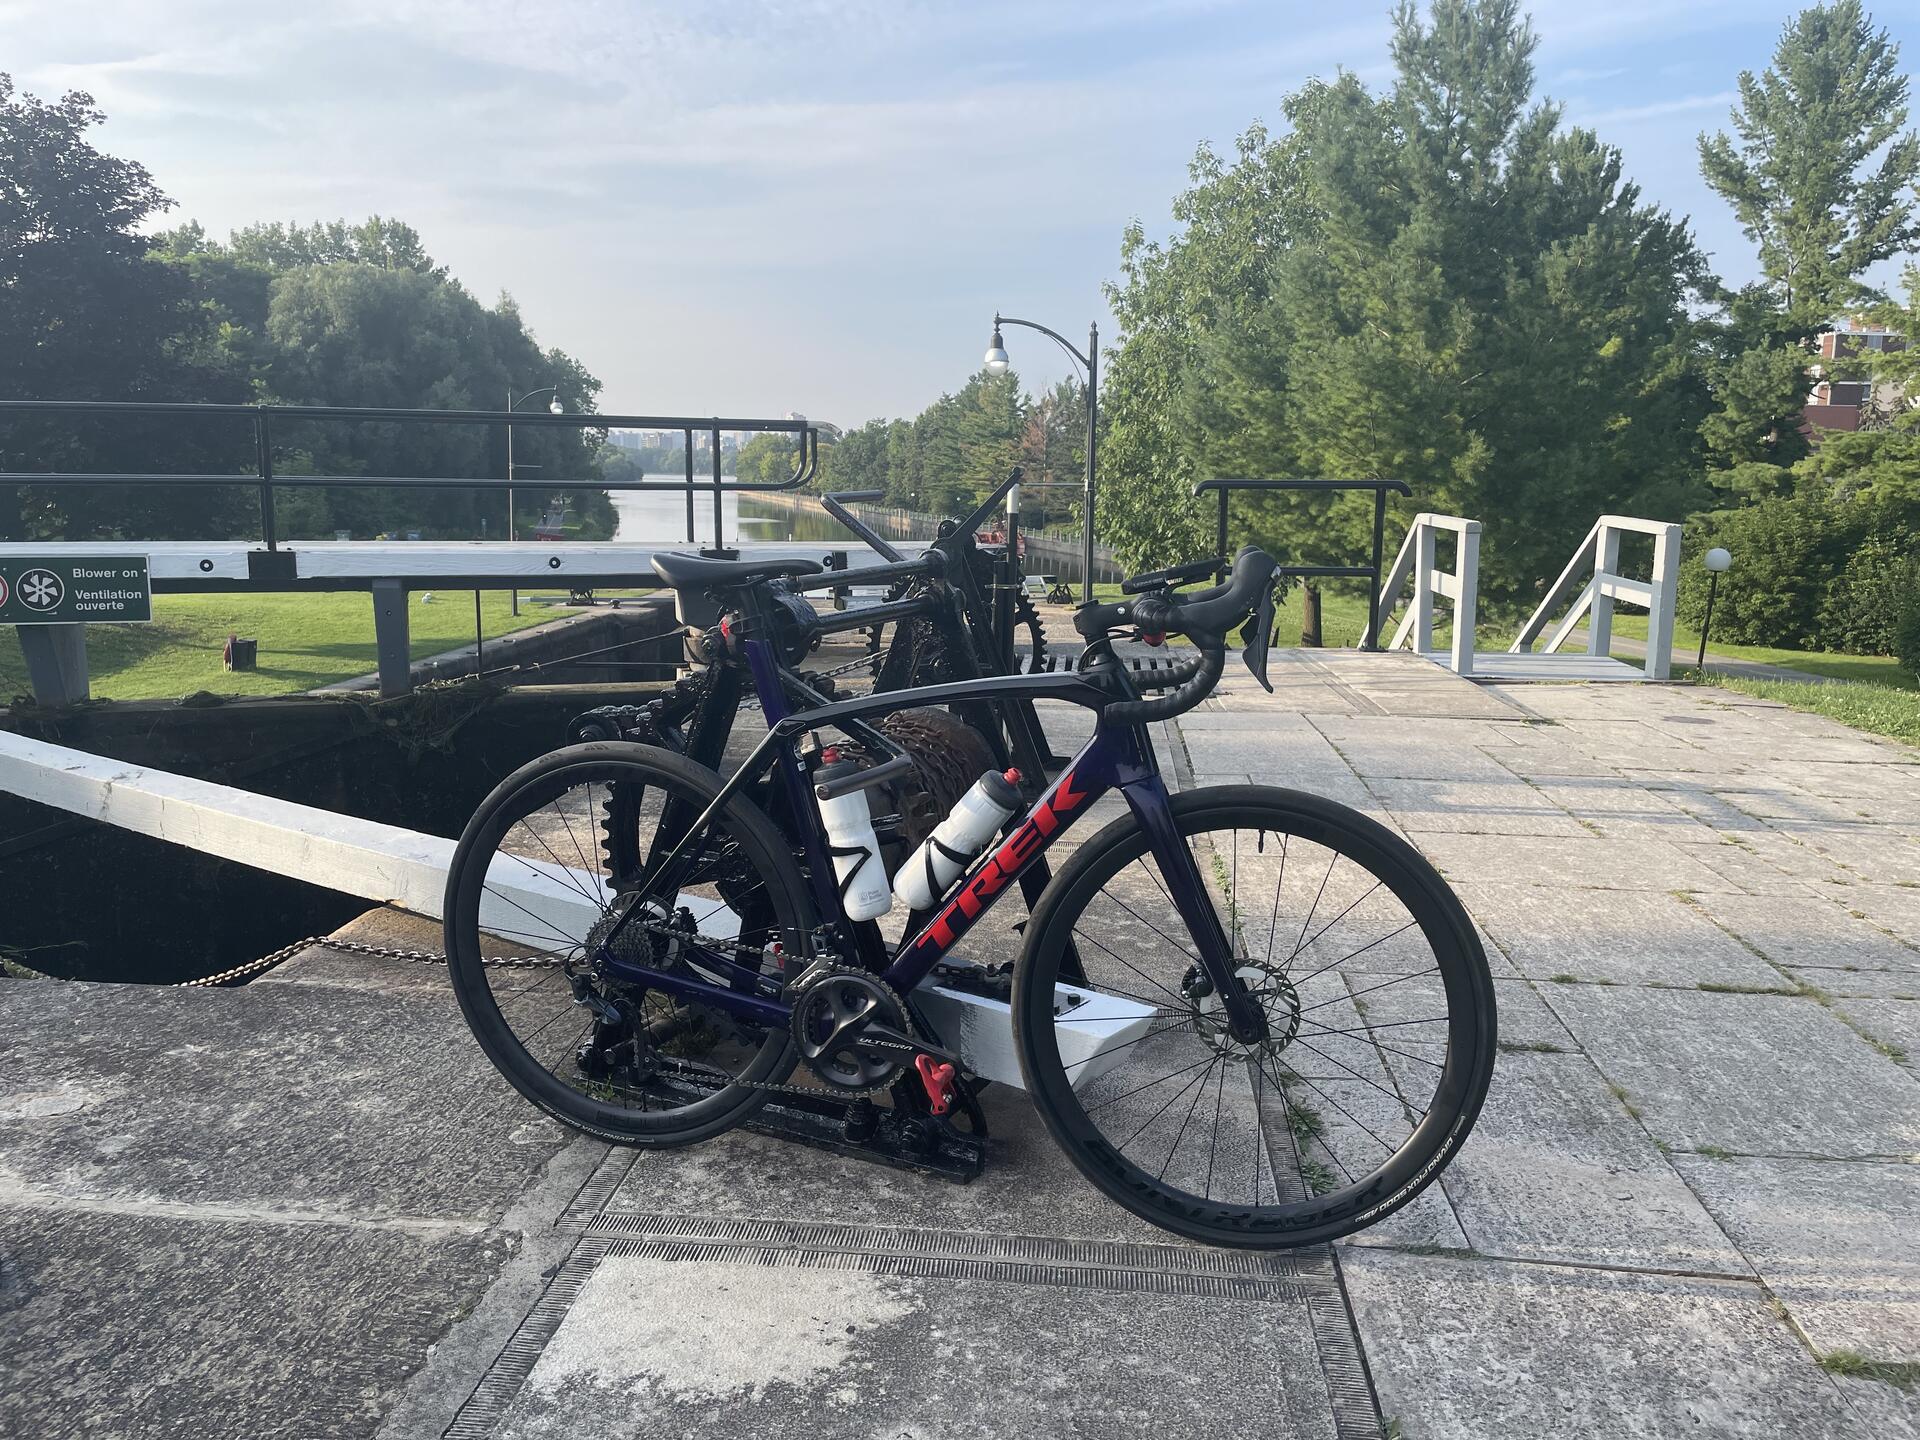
(533, 875)
(1379, 1006)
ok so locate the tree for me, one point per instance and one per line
(1457, 293)
(86, 315)
(1237, 220)
(1802, 177)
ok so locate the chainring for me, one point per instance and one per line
(833, 1015)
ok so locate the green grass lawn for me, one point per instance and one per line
(1869, 669)
(305, 641)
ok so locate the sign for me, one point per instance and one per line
(53, 591)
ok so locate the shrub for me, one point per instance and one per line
(1787, 554)
(1906, 635)
(1875, 588)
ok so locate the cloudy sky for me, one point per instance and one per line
(750, 206)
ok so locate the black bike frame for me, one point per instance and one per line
(1116, 757)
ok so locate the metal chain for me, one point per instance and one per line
(355, 947)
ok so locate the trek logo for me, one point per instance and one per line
(1021, 846)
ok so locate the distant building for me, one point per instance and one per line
(1844, 404)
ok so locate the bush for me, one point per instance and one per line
(1906, 635)
(1787, 554)
(1875, 588)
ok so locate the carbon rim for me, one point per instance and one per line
(1379, 1011)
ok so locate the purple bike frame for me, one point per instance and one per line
(1116, 757)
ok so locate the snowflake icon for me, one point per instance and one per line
(41, 590)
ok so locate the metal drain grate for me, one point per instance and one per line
(515, 1362)
(947, 1267)
(596, 1190)
(1312, 1267)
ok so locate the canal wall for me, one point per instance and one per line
(82, 900)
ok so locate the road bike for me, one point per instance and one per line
(1249, 1015)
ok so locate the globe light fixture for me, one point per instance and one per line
(995, 362)
(996, 357)
(556, 408)
(1716, 560)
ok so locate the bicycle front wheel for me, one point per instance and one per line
(1380, 1022)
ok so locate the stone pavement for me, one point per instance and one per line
(307, 1208)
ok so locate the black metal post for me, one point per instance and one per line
(1220, 540)
(691, 539)
(263, 453)
(1706, 623)
(1093, 403)
(719, 509)
(1379, 558)
(1015, 578)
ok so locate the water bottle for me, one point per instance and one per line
(943, 855)
(850, 840)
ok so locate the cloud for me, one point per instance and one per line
(1655, 110)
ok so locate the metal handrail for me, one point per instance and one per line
(1380, 488)
(263, 476)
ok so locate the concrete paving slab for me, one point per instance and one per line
(1757, 1074)
(1838, 1242)
(1591, 863)
(1029, 1188)
(1844, 983)
(1750, 872)
(1629, 937)
(1894, 1024)
(132, 1093)
(1556, 1169)
(1483, 1350)
(1809, 931)
(157, 1326)
(776, 1345)
(1894, 908)
(1531, 751)
(1875, 853)
(1618, 810)
(1886, 1411)
(1471, 807)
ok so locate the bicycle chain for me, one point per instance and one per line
(356, 947)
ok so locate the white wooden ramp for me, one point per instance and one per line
(408, 870)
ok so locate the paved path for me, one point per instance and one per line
(307, 1208)
(1686, 656)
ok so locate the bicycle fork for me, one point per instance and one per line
(1152, 808)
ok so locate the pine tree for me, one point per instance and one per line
(1802, 177)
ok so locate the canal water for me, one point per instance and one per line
(657, 516)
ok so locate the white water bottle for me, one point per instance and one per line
(850, 840)
(992, 801)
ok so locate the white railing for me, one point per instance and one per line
(1419, 554)
(1600, 552)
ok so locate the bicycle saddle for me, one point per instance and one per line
(698, 572)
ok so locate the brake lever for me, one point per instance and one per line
(1258, 633)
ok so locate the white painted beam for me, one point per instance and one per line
(350, 560)
(408, 870)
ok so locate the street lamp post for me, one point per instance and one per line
(1717, 560)
(996, 363)
(555, 408)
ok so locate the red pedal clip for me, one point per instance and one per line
(938, 1078)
